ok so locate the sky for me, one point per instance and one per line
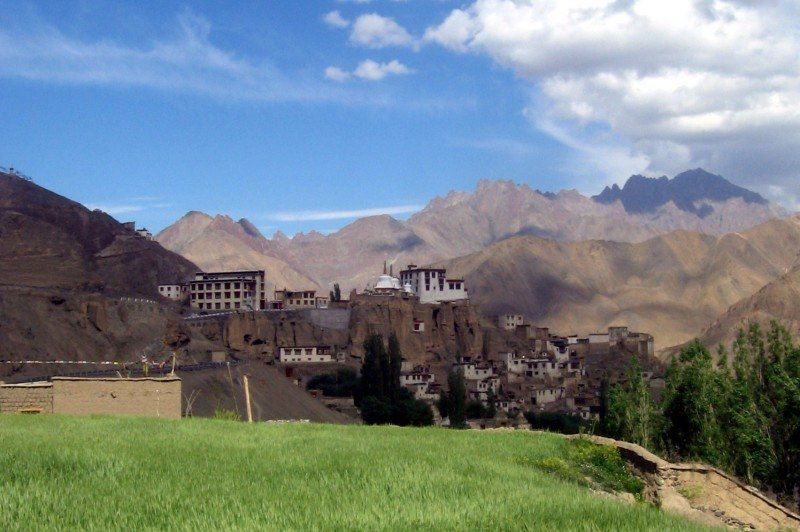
(305, 115)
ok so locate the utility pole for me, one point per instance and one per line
(246, 383)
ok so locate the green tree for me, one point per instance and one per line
(336, 293)
(491, 407)
(457, 398)
(630, 414)
(691, 405)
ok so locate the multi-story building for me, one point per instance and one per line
(300, 299)
(236, 290)
(431, 285)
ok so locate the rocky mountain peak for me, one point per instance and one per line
(686, 190)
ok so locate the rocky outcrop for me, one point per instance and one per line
(448, 330)
(704, 493)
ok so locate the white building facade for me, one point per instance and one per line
(431, 285)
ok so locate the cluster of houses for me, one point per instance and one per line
(556, 374)
(551, 374)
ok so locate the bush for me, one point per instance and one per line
(590, 464)
(226, 415)
(339, 383)
(558, 422)
(476, 410)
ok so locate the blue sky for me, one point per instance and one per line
(299, 115)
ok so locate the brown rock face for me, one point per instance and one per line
(63, 271)
(47, 240)
(450, 330)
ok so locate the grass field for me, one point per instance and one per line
(115, 473)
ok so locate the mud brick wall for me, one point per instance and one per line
(149, 397)
(30, 398)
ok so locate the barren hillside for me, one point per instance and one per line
(671, 285)
(463, 223)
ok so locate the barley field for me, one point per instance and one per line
(203, 474)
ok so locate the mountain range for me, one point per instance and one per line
(462, 223)
(667, 256)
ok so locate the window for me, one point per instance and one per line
(217, 305)
(217, 286)
(238, 305)
(217, 295)
(237, 294)
(227, 286)
(199, 296)
(209, 295)
(236, 285)
(227, 295)
(227, 305)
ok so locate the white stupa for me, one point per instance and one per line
(387, 282)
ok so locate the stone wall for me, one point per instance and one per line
(705, 493)
(150, 397)
(34, 397)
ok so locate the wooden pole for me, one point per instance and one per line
(247, 399)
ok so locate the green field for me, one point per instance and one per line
(115, 473)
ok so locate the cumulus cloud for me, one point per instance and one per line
(681, 83)
(335, 19)
(336, 74)
(373, 71)
(375, 31)
(368, 70)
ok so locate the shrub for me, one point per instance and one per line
(558, 422)
(339, 383)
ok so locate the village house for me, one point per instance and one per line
(235, 290)
(175, 292)
(300, 299)
(306, 354)
(431, 285)
(475, 371)
(510, 322)
(419, 381)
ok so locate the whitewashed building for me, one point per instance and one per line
(175, 292)
(431, 285)
(306, 354)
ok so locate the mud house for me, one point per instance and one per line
(233, 290)
(147, 397)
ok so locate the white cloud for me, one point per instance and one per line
(335, 19)
(368, 70)
(681, 83)
(375, 31)
(114, 210)
(336, 74)
(373, 71)
(137, 204)
(187, 63)
(303, 216)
